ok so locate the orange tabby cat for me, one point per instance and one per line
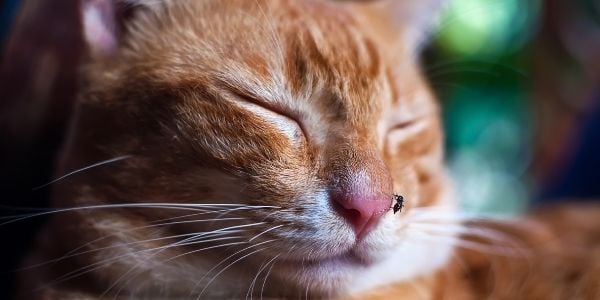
(253, 148)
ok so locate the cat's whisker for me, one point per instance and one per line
(265, 231)
(434, 216)
(188, 241)
(240, 208)
(198, 221)
(483, 227)
(73, 253)
(226, 259)
(262, 287)
(463, 233)
(269, 215)
(457, 241)
(193, 215)
(263, 266)
(441, 211)
(235, 227)
(89, 167)
(465, 230)
(250, 293)
(171, 206)
(173, 258)
(480, 226)
(448, 215)
(198, 250)
(100, 264)
(231, 264)
(465, 227)
(306, 291)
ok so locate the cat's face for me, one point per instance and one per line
(299, 109)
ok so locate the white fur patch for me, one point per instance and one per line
(414, 257)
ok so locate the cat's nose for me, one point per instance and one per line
(362, 212)
(362, 194)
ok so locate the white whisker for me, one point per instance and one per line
(173, 258)
(187, 241)
(263, 266)
(262, 287)
(72, 253)
(98, 164)
(471, 245)
(235, 227)
(172, 206)
(97, 265)
(226, 259)
(479, 232)
(227, 267)
(265, 231)
(250, 292)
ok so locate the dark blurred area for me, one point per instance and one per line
(518, 81)
(41, 48)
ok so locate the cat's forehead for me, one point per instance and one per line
(273, 50)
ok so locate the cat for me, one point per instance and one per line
(253, 149)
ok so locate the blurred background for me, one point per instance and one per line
(519, 82)
(519, 85)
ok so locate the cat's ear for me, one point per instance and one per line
(404, 23)
(105, 21)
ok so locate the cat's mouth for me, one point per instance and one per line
(349, 258)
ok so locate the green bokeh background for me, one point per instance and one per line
(478, 64)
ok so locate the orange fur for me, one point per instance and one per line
(260, 103)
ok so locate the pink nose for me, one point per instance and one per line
(362, 213)
(360, 187)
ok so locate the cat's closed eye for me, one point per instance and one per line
(276, 115)
(406, 123)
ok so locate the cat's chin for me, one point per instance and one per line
(346, 259)
(327, 275)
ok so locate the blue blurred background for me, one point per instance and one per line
(518, 81)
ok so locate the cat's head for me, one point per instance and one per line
(309, 115)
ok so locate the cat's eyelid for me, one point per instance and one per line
(273, 108)
(405, 120)
(411, 125)
(404, 131)
(410, 114)
(268, 105)
(404, 124)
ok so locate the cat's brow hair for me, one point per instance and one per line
(305, 55)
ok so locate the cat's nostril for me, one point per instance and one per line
(351, 215)
(361, 214)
